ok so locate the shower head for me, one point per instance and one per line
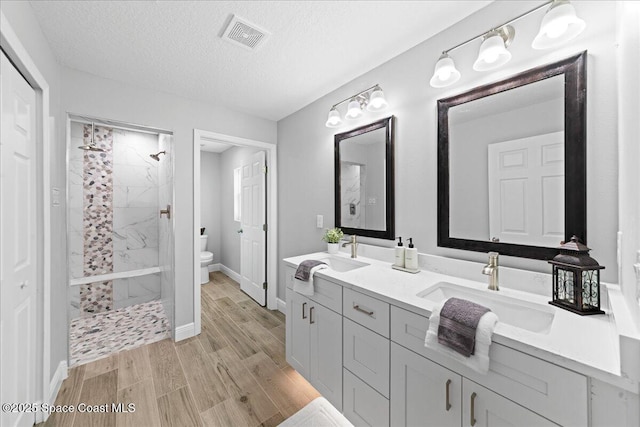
(92, 145)
(156, 157)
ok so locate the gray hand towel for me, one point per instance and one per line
(302, 273)
(458, 322)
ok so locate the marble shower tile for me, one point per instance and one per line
(142, 197)
(144, 286)
(129, 175)
(135, 259)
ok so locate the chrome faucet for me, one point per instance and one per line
(354, 246)
(491, 270)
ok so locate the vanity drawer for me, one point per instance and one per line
(363, 406)
(367, 311)
(327, 293)
(409, 330)
(536, 384)
(366, 354)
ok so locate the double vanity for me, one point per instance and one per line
(359, 340)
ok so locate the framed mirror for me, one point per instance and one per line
(512, 163)
(364, 180)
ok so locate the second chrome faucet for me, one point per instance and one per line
(491, 270)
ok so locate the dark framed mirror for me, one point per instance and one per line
(512, 163)
(364, 180)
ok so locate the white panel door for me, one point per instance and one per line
(526, 190)
(18, 266)
(253, 219)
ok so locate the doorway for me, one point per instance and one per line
(255, 229)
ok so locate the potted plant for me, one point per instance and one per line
(333, 236)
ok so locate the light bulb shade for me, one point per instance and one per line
(560, 24)
(353, 110)
(333, 120)
(493, 53)
(377, 101)
(445, 73)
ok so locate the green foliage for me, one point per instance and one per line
(333, 235)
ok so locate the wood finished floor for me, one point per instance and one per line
(233, 374)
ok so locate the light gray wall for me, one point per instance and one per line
(25, 25)
(98, 97)
(210, 201)
(230, 239)
(305, 145)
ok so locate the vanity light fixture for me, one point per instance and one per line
(372, 99)
(493, 50)
(445, 73)
(559, 24)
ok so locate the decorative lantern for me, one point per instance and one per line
(576, 279)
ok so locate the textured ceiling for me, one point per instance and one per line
(175, 46)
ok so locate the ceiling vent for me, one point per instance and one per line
(245, 34)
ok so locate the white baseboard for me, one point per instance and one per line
(185, 331)
(229, 272)
(61, 374)
(214, 267)
(282, 306)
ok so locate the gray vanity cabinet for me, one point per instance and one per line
(423, 391)
(314, 340)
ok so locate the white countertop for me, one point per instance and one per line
(586, 344)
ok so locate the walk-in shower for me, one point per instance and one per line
(120, 248)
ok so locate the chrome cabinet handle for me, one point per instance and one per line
(472, 421)
(304, 304)
(311, 321)
(447, 404)
(361, 310)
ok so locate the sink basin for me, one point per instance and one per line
(511, 311)
(343, 264)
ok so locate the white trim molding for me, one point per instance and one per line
(282, 306)
(20, 57)
(185, 331)
(230, 273)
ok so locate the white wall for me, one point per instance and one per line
(25, 25)
(210, 201)
(305, 145)
(103, 98)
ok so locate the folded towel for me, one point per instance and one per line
(479, 361)
(305, 287)
(458, 322)
(304, 269)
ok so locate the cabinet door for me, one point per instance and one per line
(423, 392)
(297, 332)
(326, 355)
(484, 408)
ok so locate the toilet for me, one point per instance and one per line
(206, 258)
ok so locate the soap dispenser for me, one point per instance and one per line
(399, 254)
(411, 256)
